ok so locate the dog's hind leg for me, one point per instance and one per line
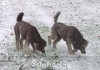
(68, 42)
(56, 40)
(21, 42)
(49, 40)
(17, 37)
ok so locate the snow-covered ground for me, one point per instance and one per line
(84, 14)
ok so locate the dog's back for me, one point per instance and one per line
(28, 33)
(29, 30)
(26, 29)
(70, 32)
(64, 30)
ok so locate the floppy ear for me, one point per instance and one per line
(43, 43)
(84, 43)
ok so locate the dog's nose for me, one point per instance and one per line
(83, 51)
(43, 51)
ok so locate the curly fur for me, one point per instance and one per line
(70, 34)
(28, 33)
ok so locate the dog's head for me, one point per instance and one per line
(81, 45)
(41, 46)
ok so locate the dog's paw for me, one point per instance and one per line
(34, 51)
(27, 56)
(71, 53)
(17, 49)
(74, 51)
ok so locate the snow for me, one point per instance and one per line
(84, 14)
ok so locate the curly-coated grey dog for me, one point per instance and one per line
(28, 33)
(70, 34)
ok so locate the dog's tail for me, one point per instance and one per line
(56, 16)
(20, 16)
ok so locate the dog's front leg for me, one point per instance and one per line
(74, 50)
(68, 42)
(33, 46)
(26, 50)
